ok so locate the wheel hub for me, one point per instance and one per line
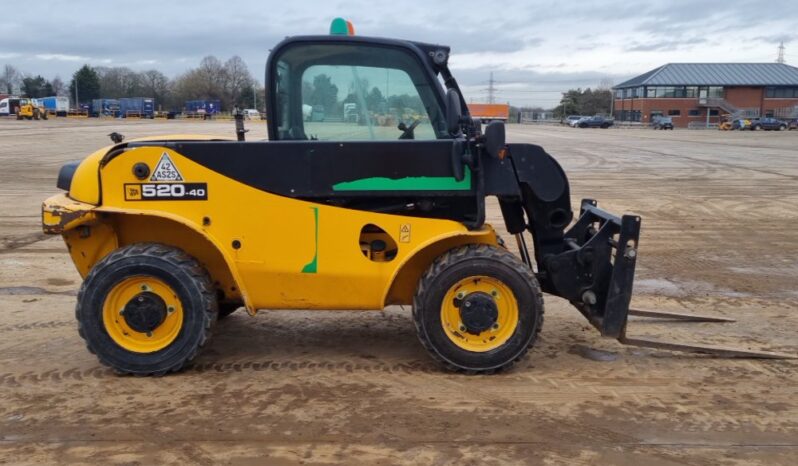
(478, 312)
(145, 312)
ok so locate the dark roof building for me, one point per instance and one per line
(704, 93)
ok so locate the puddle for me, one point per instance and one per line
(593, 354)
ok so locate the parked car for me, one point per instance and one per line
(793, 124)
(572, 120)
(596, 122)
(662, 122)
(768, 124)
(251, 114)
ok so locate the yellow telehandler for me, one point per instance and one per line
(171, 233)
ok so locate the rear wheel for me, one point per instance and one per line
(478, 309)
(146, 309)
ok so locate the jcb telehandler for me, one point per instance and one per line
(173, 232)
(30, 109)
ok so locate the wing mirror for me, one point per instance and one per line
(495, 139)
(453, 111)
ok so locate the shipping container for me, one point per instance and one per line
(490, 112)
(105, 107)
(57, 104)
(208, 107)
(142, 107)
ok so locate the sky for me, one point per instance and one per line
(535, 49)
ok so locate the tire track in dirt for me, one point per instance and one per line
(11, 379)
(37, 326)
(11, 243)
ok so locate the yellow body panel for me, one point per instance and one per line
(269, 251)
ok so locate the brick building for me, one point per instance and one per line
(695, 94)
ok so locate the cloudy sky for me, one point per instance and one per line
(536, 49)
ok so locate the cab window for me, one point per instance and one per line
(351, 92)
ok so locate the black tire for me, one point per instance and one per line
(182, 273)
(461, 263)
(782, 127)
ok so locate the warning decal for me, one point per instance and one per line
(404, 233)
(166, 170)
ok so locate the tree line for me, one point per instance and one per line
(587, 102)
(230, 82)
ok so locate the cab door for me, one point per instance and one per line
(367, 120)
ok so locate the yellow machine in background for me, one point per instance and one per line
(31, 110)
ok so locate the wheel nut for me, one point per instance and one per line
(462, 328)
(589, 297)
(149, 334)
(496, 326)
(631, 253)
(170, 309)
(468, 304)
(494, 293)
(140, 299)
(145, 287)
(460, 295)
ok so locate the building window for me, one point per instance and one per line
(781, 92)
(654, 114)
(694, 112)
(715, 92)
(691, 91)
(674, 112)
(651, 92)
(769, 113)
(619, 94)
(713, 112)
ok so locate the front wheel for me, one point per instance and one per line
(478, 309)
(146, 309)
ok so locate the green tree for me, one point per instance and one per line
(87, 82)
(587, 102)
(324, 93)
(375, 101)
(37, 87)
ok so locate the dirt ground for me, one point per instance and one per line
(719, 236)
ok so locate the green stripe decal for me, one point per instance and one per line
(312, 266)
(412, 183)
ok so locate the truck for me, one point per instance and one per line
(104, 107)
(9, 105)
(204, 107)
(141, 107)
(490, 112)
(56, 104)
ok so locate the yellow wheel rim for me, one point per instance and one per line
(492, 338)
(123, 334)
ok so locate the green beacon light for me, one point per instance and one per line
(341, 27)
